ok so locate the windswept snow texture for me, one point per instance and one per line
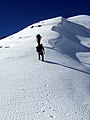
(59, 87)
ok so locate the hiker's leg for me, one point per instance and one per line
(42, 57)
(39, 56)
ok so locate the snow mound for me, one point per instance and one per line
(72, 38)
(83, 20)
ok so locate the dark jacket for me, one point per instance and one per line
(40, 48)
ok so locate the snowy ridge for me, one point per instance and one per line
(59, 87)
(69, 41)
(83, 20)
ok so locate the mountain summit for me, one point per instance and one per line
(59, 87)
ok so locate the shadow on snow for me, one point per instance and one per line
(55, 63)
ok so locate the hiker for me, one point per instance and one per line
(38, 38)
(40, 50)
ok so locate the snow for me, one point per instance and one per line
(59, 87)
(83, 20)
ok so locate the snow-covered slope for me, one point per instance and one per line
(83, 20)
(59, 87)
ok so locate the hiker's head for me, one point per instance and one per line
(38, 36)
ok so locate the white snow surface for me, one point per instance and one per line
(59, 87)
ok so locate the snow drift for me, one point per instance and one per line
(59, 87)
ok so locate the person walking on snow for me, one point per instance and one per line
(40, 50)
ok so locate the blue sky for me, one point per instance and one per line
(18, 14)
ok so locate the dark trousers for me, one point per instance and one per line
(42, 55)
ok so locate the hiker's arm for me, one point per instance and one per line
(43, 50)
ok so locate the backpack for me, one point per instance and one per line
(39, 48)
